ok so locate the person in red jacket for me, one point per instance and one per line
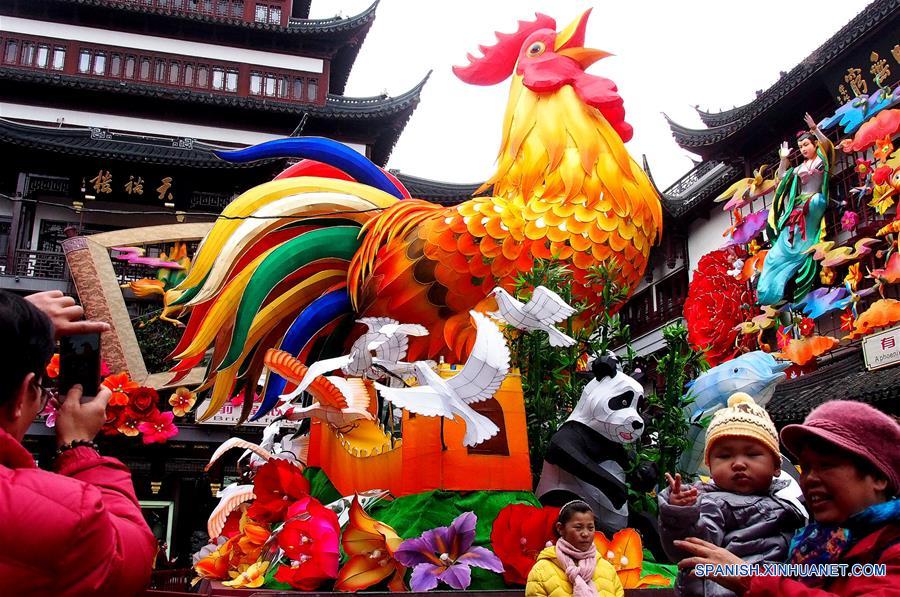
(849, 455)
(79, 530)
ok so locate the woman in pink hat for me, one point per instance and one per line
(849, 455)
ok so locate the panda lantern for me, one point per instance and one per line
(587, 458)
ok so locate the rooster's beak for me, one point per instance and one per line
(570, 42)
(573, 35)
(584, 56)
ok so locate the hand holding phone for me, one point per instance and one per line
(79, 363)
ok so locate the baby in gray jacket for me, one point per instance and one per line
(739, 509)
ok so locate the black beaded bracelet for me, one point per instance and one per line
(75, 444)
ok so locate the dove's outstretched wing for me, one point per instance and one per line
(547, 306)
(237, 442)
(422, 400)
(487, 365)
(316, 369)
(230, 498)
(356, 393)
(407, 329)
(359, 365)
(376, 323)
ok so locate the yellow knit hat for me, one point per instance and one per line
(742, 418)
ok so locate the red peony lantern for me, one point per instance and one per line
(716, 303)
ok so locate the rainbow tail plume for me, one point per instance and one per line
(272, 272)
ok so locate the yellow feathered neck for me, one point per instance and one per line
(557, 148)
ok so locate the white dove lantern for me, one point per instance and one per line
(478, 380)
(545, 309)
(357, 401)
(337, 401)
(315, 370)
(385, 340)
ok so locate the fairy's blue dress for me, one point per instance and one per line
(795, 221)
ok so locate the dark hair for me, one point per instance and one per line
(825, 447)
(28, 334)
(570, 509)
(806, 135)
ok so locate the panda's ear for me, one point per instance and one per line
(604, 366)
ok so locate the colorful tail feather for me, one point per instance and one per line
(280, 249)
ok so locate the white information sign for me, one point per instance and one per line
(882, 349)
(230, 414)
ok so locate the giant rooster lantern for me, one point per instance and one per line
(292, 263)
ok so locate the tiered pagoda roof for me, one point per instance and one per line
(729, 132)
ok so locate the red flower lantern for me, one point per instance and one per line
(143, 401)
(310, 540)
(519, 533)
(806, 326)
(716, 303)
(121, 386)
(277, 485)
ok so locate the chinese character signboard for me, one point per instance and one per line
(230, 414)
(864, 70)
(129, 184)
(882, 349)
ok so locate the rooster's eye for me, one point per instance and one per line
(536, 49)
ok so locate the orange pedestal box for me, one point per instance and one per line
(431, 455)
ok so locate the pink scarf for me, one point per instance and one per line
(579, 567)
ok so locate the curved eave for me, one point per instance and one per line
(343, 59)
(336, 107)
(697, 188)
(77, 141)
(353, 32)
(444, 193)
(390, 133)
(662, 197)
(722, 117)
(692, 139)
(334, 24)
(364, 105)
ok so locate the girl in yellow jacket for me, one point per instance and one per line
(572, 567)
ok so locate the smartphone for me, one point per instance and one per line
(79, 363)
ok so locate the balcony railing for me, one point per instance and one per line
(652, 320)
(51, 265)
(214, 8)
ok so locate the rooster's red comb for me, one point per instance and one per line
(500, 59)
